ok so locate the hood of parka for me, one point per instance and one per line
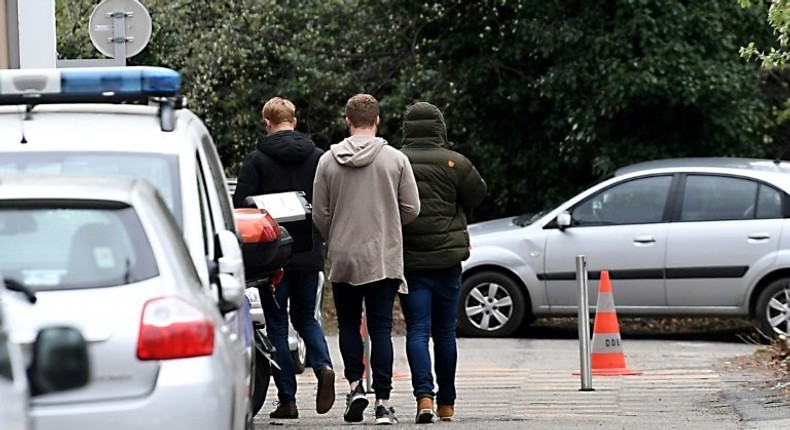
(357, 151)
(423, 125)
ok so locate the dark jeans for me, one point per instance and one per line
(300, 289)
(430, 309)
(379, 298)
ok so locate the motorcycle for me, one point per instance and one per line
(264, 358)
(266, 248)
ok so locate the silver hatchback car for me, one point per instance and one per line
(106, 256)
(706, 237)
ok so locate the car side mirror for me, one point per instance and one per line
(60, 361)
(229, 298)
(231, 271)
(564, 220)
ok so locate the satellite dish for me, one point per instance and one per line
(137, 26)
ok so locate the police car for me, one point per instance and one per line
(132, 121)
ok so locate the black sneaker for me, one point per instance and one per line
(385, 415)
(355, 404)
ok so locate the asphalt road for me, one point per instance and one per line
(528, 383)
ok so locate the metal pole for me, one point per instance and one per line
(119, 36)
(584, 324)
(366, 350)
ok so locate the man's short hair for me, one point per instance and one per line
(279, 110)
(362, 110)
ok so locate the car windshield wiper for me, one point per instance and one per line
(524, 220)
(18, 286)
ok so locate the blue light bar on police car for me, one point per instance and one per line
(90, 83)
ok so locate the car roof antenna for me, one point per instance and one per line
(778, 159)
(28, 110)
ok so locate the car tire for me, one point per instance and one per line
(774, 304)
(299, 356)
(491, 305)
(260, 385)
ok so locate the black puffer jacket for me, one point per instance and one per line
(283, 161)
(449, 185)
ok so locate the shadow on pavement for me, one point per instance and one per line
(697, 329)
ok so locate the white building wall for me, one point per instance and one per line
(37, 35)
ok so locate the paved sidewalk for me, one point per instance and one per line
(528, 383)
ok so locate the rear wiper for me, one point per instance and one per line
(127, 272)
(18, 286)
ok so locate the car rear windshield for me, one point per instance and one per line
(55, 247)
(161, 170)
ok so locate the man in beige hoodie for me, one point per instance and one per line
(364, 191)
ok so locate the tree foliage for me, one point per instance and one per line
(566, 91)
(544, 96)
(778, 17)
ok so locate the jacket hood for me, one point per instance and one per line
(357, 151)
(287, 146)
(423, 125)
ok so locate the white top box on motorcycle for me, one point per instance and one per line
(285, 207)
(291, 210)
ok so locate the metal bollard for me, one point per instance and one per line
(584, 324)
(366, 351)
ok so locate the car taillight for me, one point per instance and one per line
(256, 225)
(277, 276)
(172, 328)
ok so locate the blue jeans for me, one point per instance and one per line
(379, 298)
(298, 287)
(430, 310)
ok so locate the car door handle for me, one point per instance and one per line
(760, 236)
(645, 239)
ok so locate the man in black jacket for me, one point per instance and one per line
(286, 160)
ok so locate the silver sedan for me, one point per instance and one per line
(706, 237)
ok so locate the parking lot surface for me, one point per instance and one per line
(529, 383)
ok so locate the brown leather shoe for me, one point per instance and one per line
(424, 410)
(285, 412)
(445, 412)
(325, 395)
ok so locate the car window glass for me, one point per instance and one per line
(769, 203)
(638, 201)
(160, 170)
(205, 214)
(711, 198)
(218, 180)
(52, 247)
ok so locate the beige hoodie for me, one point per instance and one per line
(364, 191)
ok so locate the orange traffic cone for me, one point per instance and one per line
(606, 358)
